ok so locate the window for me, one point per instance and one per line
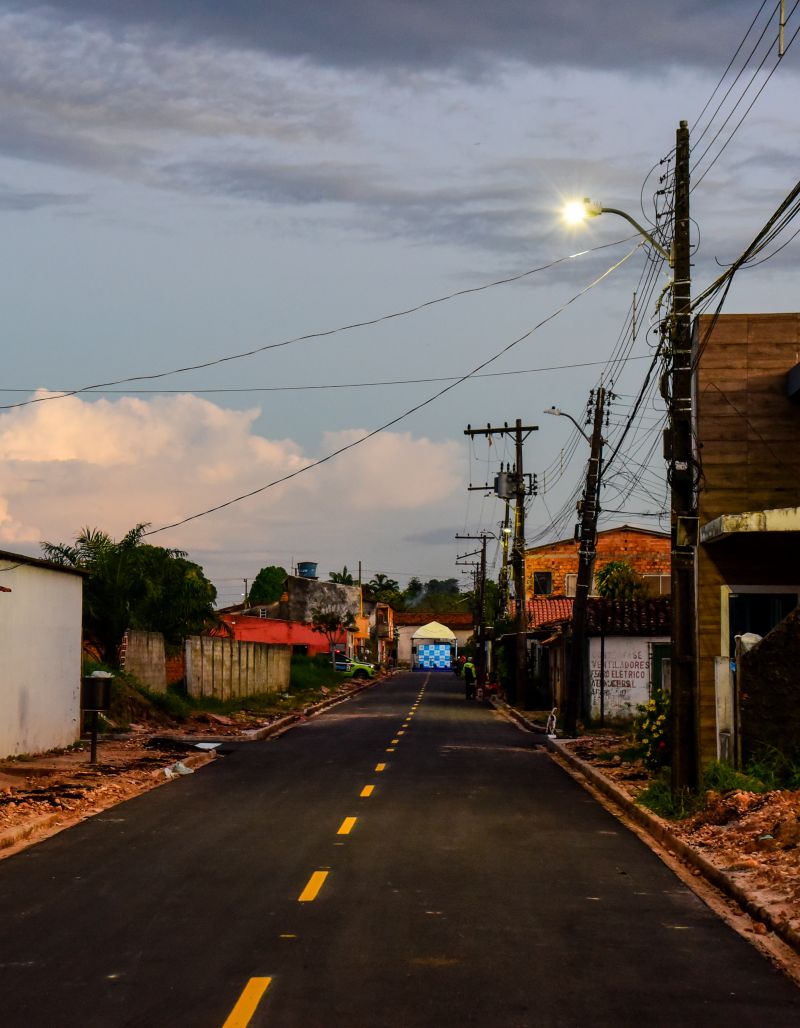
(657, 585)
(570, 584)
(542, 583)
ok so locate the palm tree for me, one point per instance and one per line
(342, 577)
(383, 584)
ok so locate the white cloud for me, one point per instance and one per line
(111, 464)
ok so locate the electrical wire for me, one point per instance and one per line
(730, 63)
(412, 410)
(321, 334)
(748, 109)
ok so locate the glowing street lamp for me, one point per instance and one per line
(577, 211)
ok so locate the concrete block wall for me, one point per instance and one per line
(228, 668)
(143, 656)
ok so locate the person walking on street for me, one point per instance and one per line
(468, 671)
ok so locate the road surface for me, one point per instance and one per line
(406, 859)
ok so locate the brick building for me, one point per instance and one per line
(552, 569)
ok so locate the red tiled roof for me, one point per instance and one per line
(629, 617)
(544, 609)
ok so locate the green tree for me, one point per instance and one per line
(413, 591)
(331, 620)
(267, 586)
(617, 580)
(131, 584)
(382, 587)
(443, 594)
(343, 577)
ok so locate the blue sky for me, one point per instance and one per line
(176, 188)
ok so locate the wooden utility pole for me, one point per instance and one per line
(577, 686)
(480, 603)
(521, 489)
(505, 532)
(682, 479)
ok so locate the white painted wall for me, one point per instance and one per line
(40, 658)
(627, 673)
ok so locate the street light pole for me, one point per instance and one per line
(682, 465)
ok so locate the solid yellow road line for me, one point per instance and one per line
(367, 790)
(311, 891)
(347, 826)
(246, 1005)
(380, 767)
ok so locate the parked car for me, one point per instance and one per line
(351, 668)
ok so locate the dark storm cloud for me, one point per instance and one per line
(19, 200)
(629, 34)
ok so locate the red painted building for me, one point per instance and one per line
(300, 636)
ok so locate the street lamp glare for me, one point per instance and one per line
(577, 211)
(574, 212)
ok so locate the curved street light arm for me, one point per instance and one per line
(563, 414)
(641, 230)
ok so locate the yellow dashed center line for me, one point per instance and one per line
(395, 742)
(347, 826)
(390, 749)
(402, 731)
(311, 891)
(367, 791)
(246, 1004)
(380, 767)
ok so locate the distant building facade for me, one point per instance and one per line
(552, 569)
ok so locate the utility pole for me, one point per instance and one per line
(480, 602)
(682, 478)
(521, 488)
(586, 533)
(505, 532)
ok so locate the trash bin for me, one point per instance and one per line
(96, 691)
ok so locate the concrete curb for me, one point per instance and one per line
(659, 830)
(11, 836)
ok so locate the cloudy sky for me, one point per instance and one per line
(182, 183)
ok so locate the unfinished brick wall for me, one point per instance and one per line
(647, 552)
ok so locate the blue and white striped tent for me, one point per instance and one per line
(433, 648)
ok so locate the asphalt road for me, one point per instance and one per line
(406, 859)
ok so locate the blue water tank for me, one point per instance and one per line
(307, 569)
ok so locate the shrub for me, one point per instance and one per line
(652, 730)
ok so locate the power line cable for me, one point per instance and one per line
(321, 334)
(405, 414)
